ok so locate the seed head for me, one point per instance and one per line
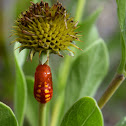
(42, 28)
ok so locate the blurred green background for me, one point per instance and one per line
(108, 28)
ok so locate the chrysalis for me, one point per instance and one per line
(43, 89)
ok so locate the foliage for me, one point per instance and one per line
(32, 105)
(84, 112)
(7, 117)
(20, 89)
(76, 77)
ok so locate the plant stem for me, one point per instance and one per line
(42, 114)
(42, 107)
(57, 110)
(79, 10)
(116, 82)
(47, 62)
(121, 68)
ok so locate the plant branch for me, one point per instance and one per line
(42, 114)
(116, 82)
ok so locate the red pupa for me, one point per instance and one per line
(43, 89)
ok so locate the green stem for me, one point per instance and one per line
(121, 68)
(42, 107)
(57, 110)
(116, 82)
(42, 114)
(79, 10)
(47, 62)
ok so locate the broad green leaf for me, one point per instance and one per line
(7, 117)
(84, 112)
(122, 122)
(32, 105)
(87, 72)
(20, 87)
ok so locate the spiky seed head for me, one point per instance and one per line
(43, 28)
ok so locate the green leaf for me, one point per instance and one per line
(87, 72)
(20, 87)
(122, 122)
(7, 117)
(32, 105)
(84, 112)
